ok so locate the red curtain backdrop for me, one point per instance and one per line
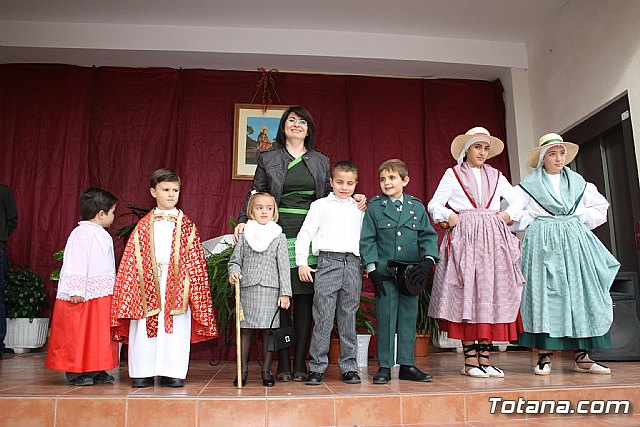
(64, 128)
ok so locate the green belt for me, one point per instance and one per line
(291, 246)
(293, 211)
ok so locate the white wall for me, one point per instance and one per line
(518, 120)
(586, 57)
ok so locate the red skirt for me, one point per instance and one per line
(483, 331)
(81, 337)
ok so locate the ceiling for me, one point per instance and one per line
(417, 38)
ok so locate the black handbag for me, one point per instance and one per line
(398, 271)
(280, 338)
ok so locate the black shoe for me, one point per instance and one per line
(300, 376)
(103, 378)
(143, 382)
(284, 377)
(82, 380)
(244, 379)
(411, 373)
(351, 377)
(314, 378)
(267, 379)
(383, 376)
(171, 382)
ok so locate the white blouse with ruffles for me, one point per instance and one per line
(89, 266)
(449, 191)
(591, 210)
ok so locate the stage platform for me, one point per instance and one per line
(31, 395)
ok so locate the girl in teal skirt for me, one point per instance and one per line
(568, 271)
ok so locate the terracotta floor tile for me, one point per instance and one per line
(368, 410)
(23, 378)
(573, 395)
(298, 389)
(180, 412)
(630, 393)
(315, 411)
(27, 412)
(478, 406)
(104, 412)
(233, 392)
(232, 412)
(437, 408)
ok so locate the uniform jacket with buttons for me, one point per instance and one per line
(391, 235)
(269, 268)
(272, 170)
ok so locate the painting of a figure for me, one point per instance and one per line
(261, 141)
(254, 131)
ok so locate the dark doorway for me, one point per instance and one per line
(607, 159)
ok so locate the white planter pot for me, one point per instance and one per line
(363, 349)
(23, 334)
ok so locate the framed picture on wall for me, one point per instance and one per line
(254, 131)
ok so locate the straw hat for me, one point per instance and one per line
(550, 140)
(476, 134)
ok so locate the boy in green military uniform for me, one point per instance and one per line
(396, 227)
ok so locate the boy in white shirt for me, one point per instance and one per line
(332, 226)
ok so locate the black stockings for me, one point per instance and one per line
(245, 341)
(302, 305)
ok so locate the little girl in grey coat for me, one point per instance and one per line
(260, 266)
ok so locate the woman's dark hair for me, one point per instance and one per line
(94, 200)
(310, 140)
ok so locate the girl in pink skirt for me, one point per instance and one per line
(478, 283)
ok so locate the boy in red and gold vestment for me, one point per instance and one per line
(161, 299)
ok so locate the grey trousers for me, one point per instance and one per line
(338, 284)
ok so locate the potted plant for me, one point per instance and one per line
(222, 293)
(25, 297)
(365, 327)
(426, 326)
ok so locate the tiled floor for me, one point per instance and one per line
(31, 395)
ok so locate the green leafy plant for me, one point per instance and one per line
(365, 316)
(425, 324)
(55, 274)
(138, 212)
(222, 293)
(25, 294)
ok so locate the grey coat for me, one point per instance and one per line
(269, 268)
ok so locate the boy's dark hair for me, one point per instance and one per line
(344, 166)
(94, 200)
(310, 139)
(164, 175)
(395, 165)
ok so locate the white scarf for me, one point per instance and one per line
(260, 236)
